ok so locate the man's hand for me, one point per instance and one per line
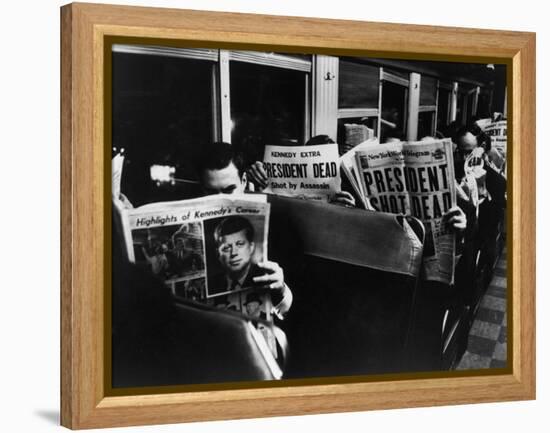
(455, 219)
(257, 175)
(273, 279)
(126, 204)
(342, 198)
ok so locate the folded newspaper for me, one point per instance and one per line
(206, 250)
(348, 166)
(413, 179)
(498, 133)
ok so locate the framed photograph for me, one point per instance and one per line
(265, 216)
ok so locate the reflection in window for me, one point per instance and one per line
(461, 108)
(267, 107)
(358, 85)
(394, 111)
(428, 90)
(162, 111)
(352, 131)
(470, 112)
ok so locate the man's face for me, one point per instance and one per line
(253, 308)
(235, 252)
(223, 181)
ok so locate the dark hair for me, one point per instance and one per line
(217, 156)
(484, 140)
(234, 224)
(319, 139)
(463, 130)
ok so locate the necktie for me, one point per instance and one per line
(234, 285)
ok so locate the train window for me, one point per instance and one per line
(162, 110)
(426, 124)
(461, 107)
(428, 90)
(358, 85)
(443, 108)
(484, 104)
(471, 104)
(268, 106)
(394, 111)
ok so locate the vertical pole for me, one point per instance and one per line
(380, 88)
(307, 108)
(454, 101)
(225, 99)
(414, 103)
(326, 76)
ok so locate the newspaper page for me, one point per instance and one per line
(310, 172)
(415, 179)
(430, 181)
(498, 133)
(355, 134)
(206, 250)
(348, 166)
(382, 170)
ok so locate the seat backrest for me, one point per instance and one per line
(353, 275)
(157, 342)
(375, 240)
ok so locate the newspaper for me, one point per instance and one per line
(348, 166)
(206, 250)
(116, 169)
(355, 134)
(309, 172)
(415, 179)
(498, 133)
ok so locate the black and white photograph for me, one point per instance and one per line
(234, 246)
(171, 252)
(310, 216)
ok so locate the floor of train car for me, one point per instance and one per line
(488, 335)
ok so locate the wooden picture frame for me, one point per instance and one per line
(85, 213)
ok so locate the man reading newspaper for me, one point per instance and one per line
(221, 172)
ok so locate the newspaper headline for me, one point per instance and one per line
(310, 172)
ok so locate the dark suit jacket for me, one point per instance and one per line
(218, 283)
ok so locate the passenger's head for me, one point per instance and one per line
(253, 303)
(221, 169)
(319, 139)
(466, 141)
(234, 238)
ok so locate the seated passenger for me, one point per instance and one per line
(220, 170)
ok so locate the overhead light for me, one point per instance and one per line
(491, 66)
